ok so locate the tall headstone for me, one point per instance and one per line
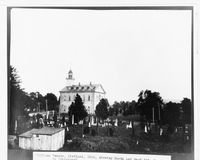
(145, 129)
(72, 119)
(15, 126)
(161, 131)
(92, 120)
(116, 122)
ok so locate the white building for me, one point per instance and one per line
(91, 94)
(46, 138)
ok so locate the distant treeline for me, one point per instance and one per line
(149, 106)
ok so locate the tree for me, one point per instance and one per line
(131, 111)
(150, 105)
(14, 78)
(77, 109)
(52, 101)
(102, 109)
(186, 107)
(17, 98)
(116, 107)
(71, 111)
(132, 108)
(32, 104)
(110, 111)
(20, 102)
(186, 113)
(172, 114)
(41, 101)
(123, 108)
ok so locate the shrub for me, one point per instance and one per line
(88, 146)
(86, 130)
(113, 145)
(75, 145)
(93, 133)
(110, 130)
(68, 136)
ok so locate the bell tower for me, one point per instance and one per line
(70, 79)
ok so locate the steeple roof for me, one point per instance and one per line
(70, 71)
(84, 88)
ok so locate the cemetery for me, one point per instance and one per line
(120, 134)
(148, 125)
(120, 138)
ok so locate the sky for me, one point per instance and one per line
(124, 50)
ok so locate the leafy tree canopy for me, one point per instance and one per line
(18, 98)
(186, 106)
(52, 101)
(172, 114)
(102, 109)
(77, 109)
(148, 100)
(124, 108)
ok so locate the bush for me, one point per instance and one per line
(110, 130)
(113, 145)
(86, 130)
(88, 146)
(68, 136)
(75, 145)
(93, 133)
(165, 138)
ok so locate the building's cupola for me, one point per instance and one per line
(70, 79)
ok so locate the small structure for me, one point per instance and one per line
(46, 138)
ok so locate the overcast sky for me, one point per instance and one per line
(124, 50)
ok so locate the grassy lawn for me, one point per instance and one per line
(122, 141)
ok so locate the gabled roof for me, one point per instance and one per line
(41, 131)
(84, 88)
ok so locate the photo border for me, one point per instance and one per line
(129, 7)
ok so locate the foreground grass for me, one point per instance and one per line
(122, 141)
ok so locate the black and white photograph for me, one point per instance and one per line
(101, 80)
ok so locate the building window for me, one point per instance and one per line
(88, 98)
(69, 98)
